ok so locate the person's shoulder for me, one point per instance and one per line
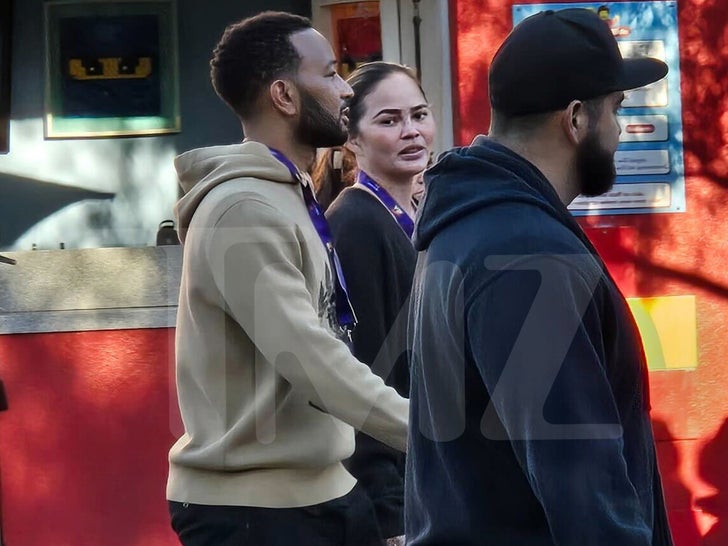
(356, 207)
(248, 206)
(359, 221)
(530, 227)
(517, 235)
(353, 198)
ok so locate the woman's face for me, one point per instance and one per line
(394, 136)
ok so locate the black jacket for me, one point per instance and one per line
(529, 416)
(378, 261)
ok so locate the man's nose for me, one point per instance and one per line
(346, 91)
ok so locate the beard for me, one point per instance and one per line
(317, 127)
(595, 169)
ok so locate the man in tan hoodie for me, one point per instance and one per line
(269, 392)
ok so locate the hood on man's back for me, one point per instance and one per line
(474, 177)
(201, 170)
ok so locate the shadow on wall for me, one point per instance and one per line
(678, 496)
(104, 192)
(713, 465)
(704, 50)
(25, 201)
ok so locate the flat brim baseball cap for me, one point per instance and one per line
(555, 57)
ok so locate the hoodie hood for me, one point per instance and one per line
(481, 175)
(201, 170)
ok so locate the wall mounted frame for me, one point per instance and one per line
(111, 69)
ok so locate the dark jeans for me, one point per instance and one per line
(347, 521)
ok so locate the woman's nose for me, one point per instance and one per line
(409, 129)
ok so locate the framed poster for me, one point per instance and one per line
(111, 69)
(6, 38)
(649, 159)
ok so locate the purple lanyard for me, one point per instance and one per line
(399, 214)
(344, 311)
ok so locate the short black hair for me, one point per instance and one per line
(251, 54)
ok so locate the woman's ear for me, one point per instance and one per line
(285, 97)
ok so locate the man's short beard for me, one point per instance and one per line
(595, 168)
(317, 127)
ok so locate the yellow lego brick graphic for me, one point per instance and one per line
(110, 68)
(668, 326)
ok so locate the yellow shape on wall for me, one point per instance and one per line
(669, 329)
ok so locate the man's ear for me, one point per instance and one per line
(285, 97)
(575, 122)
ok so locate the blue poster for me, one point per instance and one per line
(649, 159)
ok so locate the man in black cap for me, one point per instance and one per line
(529, 403)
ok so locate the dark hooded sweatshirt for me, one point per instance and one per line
(529, 418)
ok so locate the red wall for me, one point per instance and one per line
(83, 447)
(664, 254)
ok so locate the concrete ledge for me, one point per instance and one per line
(90, 289)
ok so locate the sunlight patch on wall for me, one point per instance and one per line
(137, 172)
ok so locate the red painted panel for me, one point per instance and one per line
(83, 447)
(616, 247)
(660, 254)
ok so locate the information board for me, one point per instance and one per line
(649, 160)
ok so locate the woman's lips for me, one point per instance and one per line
(412, 151)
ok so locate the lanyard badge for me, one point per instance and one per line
(345, 315)
(397, 212)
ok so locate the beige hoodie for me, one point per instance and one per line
(269, 395)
